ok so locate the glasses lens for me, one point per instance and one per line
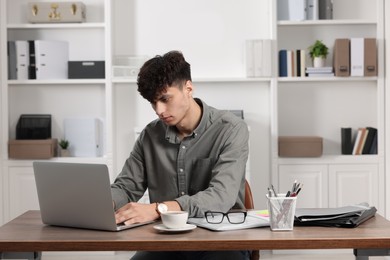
(236, 217)
(214, 217)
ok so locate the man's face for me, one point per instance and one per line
(172, 105)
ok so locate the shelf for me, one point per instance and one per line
(331, 159)
(28, 163)
(56, 26)
(57, 81)
(319, 79)
(203, 80)
(327, 22)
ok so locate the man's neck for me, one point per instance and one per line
(192, 120)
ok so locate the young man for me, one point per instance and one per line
(191, 158)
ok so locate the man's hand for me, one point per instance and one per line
(134, 212)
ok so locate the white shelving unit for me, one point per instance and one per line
(61, 98)
(322, 106)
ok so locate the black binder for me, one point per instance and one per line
(346, 220)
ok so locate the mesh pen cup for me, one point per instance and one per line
(281, 212)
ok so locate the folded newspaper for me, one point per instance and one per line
(252, 220)
(348, 216)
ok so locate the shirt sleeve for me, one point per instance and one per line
(130, 183)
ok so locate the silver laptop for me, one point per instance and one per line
(76, 195)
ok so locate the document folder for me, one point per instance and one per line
(51, 58)
(370, 57)
(341, 58)
(347, 217)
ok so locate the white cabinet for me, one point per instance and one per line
(315, 183)
(322, 106)
(351, 184)
(332, 185)
(21, 191)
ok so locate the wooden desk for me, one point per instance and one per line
(27, 234)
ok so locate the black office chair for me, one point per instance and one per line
(249, 204)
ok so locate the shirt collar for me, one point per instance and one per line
(171, 131)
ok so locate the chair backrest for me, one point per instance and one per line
(249, 204)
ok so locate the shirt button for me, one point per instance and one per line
(183, 147)
(180, 170)
(183, 193)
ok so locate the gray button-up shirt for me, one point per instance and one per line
(204, 171)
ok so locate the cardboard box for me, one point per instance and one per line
(300, 146)
(32, 149)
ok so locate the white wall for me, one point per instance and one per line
(211, 35)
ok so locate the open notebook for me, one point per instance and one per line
(252, 220)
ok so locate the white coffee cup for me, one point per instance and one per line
(174, 219)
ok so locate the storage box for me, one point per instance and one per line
(33, 127)
(300, 146)
(56, 12)
(32, 149)
(86, 70)
(127, 66)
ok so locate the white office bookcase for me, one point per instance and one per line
(60, 98)
(320, 107)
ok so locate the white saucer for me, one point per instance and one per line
(187, 227)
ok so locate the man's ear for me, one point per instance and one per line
(188, 88)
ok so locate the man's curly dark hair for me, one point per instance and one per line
(161, 72)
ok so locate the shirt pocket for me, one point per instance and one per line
(200, 174)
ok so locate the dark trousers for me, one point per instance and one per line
(192, 255)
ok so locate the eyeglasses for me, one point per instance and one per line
(234, 217)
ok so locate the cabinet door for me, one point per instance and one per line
(22, 191)
(315, 183)
(353, 183)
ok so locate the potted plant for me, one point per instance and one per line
(318, 53)
(64, 145)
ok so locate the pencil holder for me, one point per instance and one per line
(281, 212)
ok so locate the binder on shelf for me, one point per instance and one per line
(258, 57)
(291, 10)
(300, 62)
(357, 56)
(290, 63)
(325, 9)
(360, 140)
(31, 61)
(372, 132)
(283, 63)
(346, 140)
(312, 10)
(51, 59)
(22, 59)
(85, 136)
(302, 59)
(374, 145)
(11, 53)
(370, 57)
(267, 58)
(341, 56)
(250, 63)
